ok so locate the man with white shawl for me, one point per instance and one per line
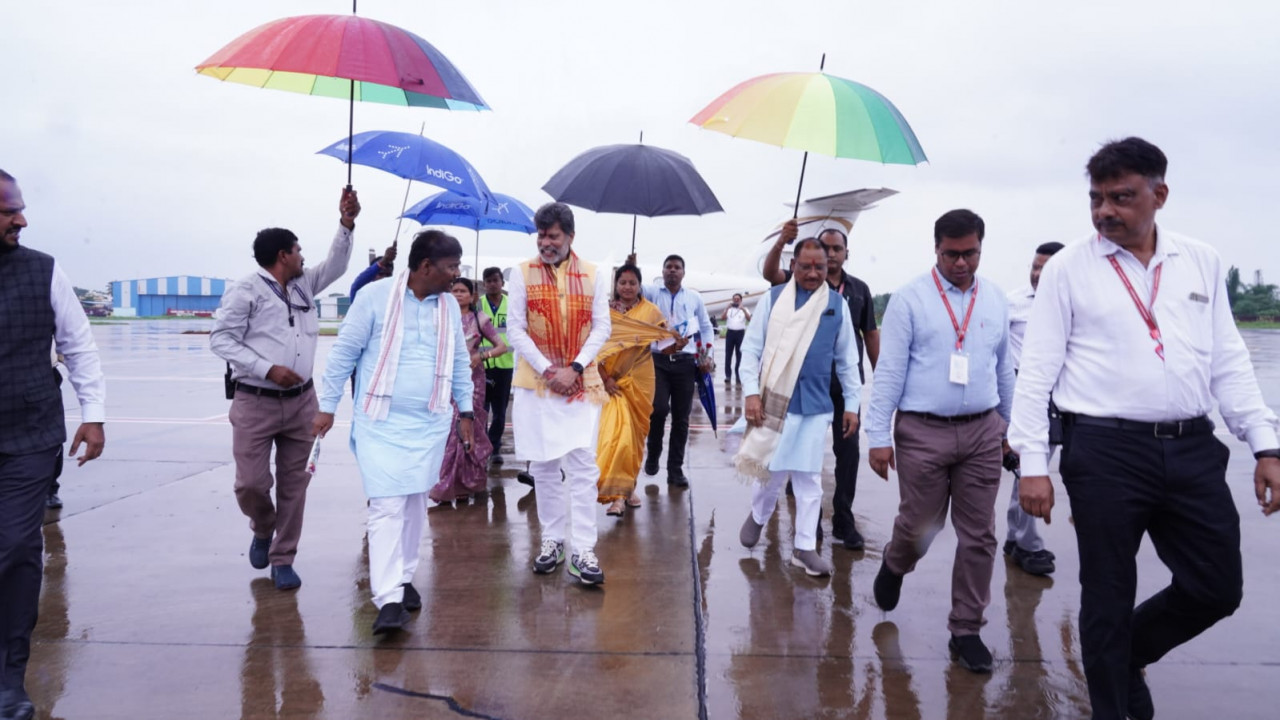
(557, 321)
(801, 329)
(404, 337)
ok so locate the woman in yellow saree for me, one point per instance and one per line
(626, 366)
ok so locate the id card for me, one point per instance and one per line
(959, 369)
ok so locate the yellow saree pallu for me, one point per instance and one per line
(624, 419)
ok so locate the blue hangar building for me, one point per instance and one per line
(173, 295)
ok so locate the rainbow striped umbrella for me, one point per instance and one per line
(344, 56)
(815, 112)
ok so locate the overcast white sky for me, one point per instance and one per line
(132, 165)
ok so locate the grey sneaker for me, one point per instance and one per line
(749, 535)
(813, 563)
(551, 555)
(586, 568)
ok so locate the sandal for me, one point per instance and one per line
(616, 509)
(634, 501)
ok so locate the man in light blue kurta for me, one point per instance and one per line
(400, 455)
(798, 398)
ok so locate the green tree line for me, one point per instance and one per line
(1251, 301)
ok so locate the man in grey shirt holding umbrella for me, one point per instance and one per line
(266, 330)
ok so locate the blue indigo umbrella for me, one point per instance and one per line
(706, 385)
(497, 212)
(412, 157)
(634, 180)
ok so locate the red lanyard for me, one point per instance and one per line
(973, 300)
(1144, 310)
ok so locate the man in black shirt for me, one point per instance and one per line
(862, 312)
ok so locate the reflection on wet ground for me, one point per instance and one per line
(150, 609)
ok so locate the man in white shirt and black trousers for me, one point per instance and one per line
(1132, 332)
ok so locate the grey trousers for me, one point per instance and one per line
(956, 466)
(257, 425)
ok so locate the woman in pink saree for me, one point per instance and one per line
(465, 473)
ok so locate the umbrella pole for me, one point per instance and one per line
(405, 203)
(476, 270)
(796, 213)
(803, 162)
(633, 217)
(351, 119)
(351, 127)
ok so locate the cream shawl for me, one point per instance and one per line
(788, 335)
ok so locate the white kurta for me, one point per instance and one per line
(548, 428)
(402, 454)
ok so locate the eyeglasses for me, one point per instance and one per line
(954, 255)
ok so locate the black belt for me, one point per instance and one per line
(952, 419)
(268, 392)
(1164, 430)
(674, 357)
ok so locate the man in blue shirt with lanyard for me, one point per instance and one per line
(945, 368)
(676, 373)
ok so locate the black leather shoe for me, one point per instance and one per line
(285, 578)
(677, 479)
(887, 588)
(1039, 562)
(852, 539)
(412, 600)
(524, 478)
(1009, 545)
(971, 653)
(53, 502)
(1140, 705)
(391, 618)
(258, 550)
(651, 467)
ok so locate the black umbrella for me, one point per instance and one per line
(634, 180)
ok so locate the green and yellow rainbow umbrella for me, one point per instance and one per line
(815, 112)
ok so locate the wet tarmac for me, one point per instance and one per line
(151, 610)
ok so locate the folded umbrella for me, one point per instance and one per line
(706, 385)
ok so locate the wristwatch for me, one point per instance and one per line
(466, 415)
(1273, 453)
(577, 367)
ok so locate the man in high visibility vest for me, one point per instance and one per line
(497, 371)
